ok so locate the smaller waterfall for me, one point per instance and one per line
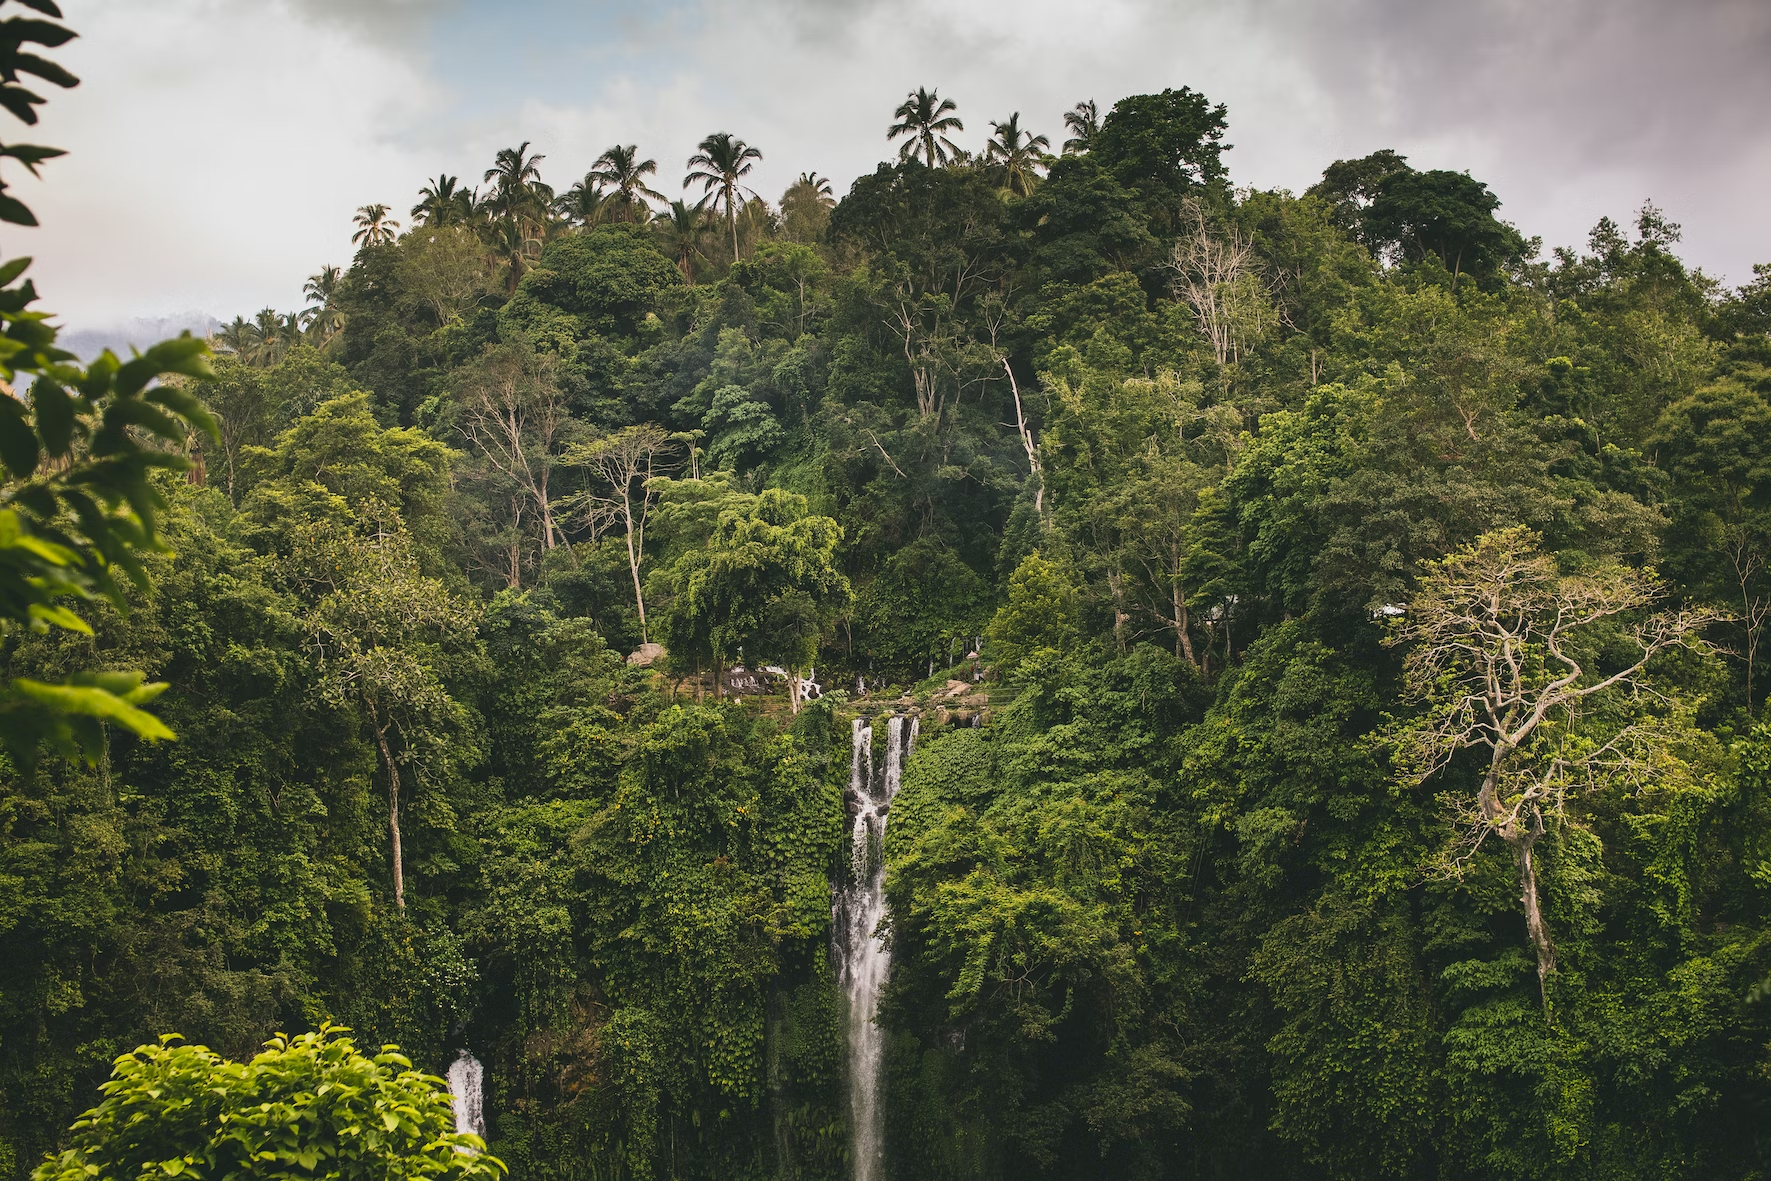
(864, 956)
(465, 1077)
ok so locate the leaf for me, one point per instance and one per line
(93, 702)
(12, 269)
(24, 28)
(18, 442)
(12, 209)
(45, 69)
(59, 617)
(55, 415)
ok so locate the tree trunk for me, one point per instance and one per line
(633, 566)
(393, 815)
(1534, 924)
(1183, 641)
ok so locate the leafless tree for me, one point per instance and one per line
(624, 464)
(1218, 275)
(1500, 652)
(514, 413)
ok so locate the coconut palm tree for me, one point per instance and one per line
(238, 337)
(926, 118)
(323, 317)
(820, 187)
(1016, 154)
(514, 245)
(721, 163)
(1083, 120)
(681, 230)
(443, 202)
(621, 169)
(374, 226)
(586, 203)
(517, 190)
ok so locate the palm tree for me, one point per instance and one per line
(585, 203)
(238, 337)
(323, 318)
(375, 227)
(516, 182)
(925, 117)
(1083, 120)
(624, 172)
(266, 340)
(443, 202)
(681, 230)
(721, 163)
(515, 246)
(1016, 157)
(819, 185)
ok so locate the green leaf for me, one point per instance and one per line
(12, 269)
(93, 702)
(61, 617)
(18, 442)
(55, 415)
(12, 209)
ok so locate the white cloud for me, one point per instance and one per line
(217, 153)
(220, 146)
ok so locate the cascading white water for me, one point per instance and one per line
(465, 1077)
(863, 956)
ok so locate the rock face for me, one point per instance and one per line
(645, 654)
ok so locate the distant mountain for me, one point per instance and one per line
(141, 331)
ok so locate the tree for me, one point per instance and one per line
(1506, 652)
(1040, 615)
(322, 318)
(762, 586)
(306, 1106)
(517, 190)
(719, 165)
(926, 118)
(443, 202)
(625, 173)
(514, 413)
(625, 464)
(1083, 121)
(376, 631)
(585, 203)
(1016, 154)
(374, 226)
(1350, 186)
(1166, 146)
(805, 208)
(681, 231)
(1445, 214)
(1217, 275)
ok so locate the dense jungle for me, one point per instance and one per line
(1330, 622)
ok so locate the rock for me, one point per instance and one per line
(975, 700)
(645, 654)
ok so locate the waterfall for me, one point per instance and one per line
(465, 1075)
(863, 957)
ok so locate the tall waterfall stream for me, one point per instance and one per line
(863, 956)
(465, 1079)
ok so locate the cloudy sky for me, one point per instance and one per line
(219, 147)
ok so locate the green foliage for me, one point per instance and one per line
(1172, 910)
(307, 1106)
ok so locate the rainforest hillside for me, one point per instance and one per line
(1333, 627)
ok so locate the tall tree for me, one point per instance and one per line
(624, 465)
(1015, 153)
(374, 226)
(1504, 652)
(722, 161)
(443, 202)
(681, 231)
(926, 118)
(621, 169)
(586, 203)
(1083, 121)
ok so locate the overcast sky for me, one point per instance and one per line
(219, 147)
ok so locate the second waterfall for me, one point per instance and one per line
(862, 956)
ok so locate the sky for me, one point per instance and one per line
(218, 148)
